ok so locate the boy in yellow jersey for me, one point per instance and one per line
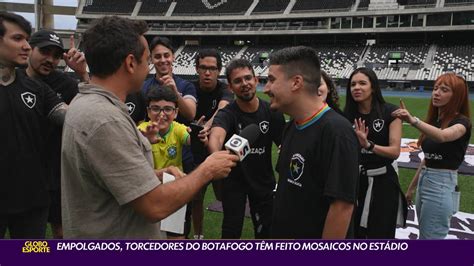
(172, 136)
(167, 144)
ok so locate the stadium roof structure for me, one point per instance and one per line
(44, 11)
(248, 17)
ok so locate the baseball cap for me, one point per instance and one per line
(43, 38)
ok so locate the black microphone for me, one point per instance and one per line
(240, 145)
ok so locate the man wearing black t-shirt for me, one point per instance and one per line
(47, 51)
(318, 163)
(212, 95)
(253, 177)
(26, 106)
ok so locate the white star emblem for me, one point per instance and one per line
(29, 99)
(378, 125)
(130, 107)
(264, 126)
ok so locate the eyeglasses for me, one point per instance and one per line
(167, 110)
(211, 69)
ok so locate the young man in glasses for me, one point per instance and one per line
(253, 178)
(212, 95)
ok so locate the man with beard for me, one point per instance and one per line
(26, 107)
(253, 177)
(47, 51)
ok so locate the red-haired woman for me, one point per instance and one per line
(444, 139)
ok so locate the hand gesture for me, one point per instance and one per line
(169, 81)
(361, 131)
(76, 60)
(403, 114)
(151, 133)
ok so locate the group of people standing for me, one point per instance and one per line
(335, 167)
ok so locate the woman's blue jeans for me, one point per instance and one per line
(436, 201)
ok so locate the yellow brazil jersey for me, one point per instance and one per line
(168, 151)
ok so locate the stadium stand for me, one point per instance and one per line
(105, 6)
(154, 7)
(363, 5)
(414, 53)
(311, 5)
(205, 7)
(271, 6)
(417, 3)
(436, 40)
(339, 60)
(458, 2)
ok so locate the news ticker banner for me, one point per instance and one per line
(240, 252)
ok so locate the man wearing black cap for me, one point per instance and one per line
(26, 106)
(47, 51)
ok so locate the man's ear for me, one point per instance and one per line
(130, 63)
(297, 82)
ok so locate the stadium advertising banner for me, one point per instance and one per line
(240, 252)
(411, 155)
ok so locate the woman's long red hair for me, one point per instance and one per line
(458, 105)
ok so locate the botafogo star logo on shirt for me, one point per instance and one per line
(29, 99)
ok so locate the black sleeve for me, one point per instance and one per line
(278, 124)
(70, 89)
(463, 121)
(388, 109)
(343, 161)
(63, 84)
(224, 119)
(51, 99)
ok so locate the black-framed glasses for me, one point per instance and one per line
(211, 69)
(167, 110)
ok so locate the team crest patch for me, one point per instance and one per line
(264, 126)
(296, 166)
(214, 104)
(378, 124)
(131, 107)
(29, 99)
(172, 152)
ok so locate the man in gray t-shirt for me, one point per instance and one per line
(109, 187)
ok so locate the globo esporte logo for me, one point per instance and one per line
(36, 247)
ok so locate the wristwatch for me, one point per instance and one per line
(371, 146)
(417, 121)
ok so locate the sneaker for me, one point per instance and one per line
(198, 237)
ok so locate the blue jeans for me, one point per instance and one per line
(436, 202)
